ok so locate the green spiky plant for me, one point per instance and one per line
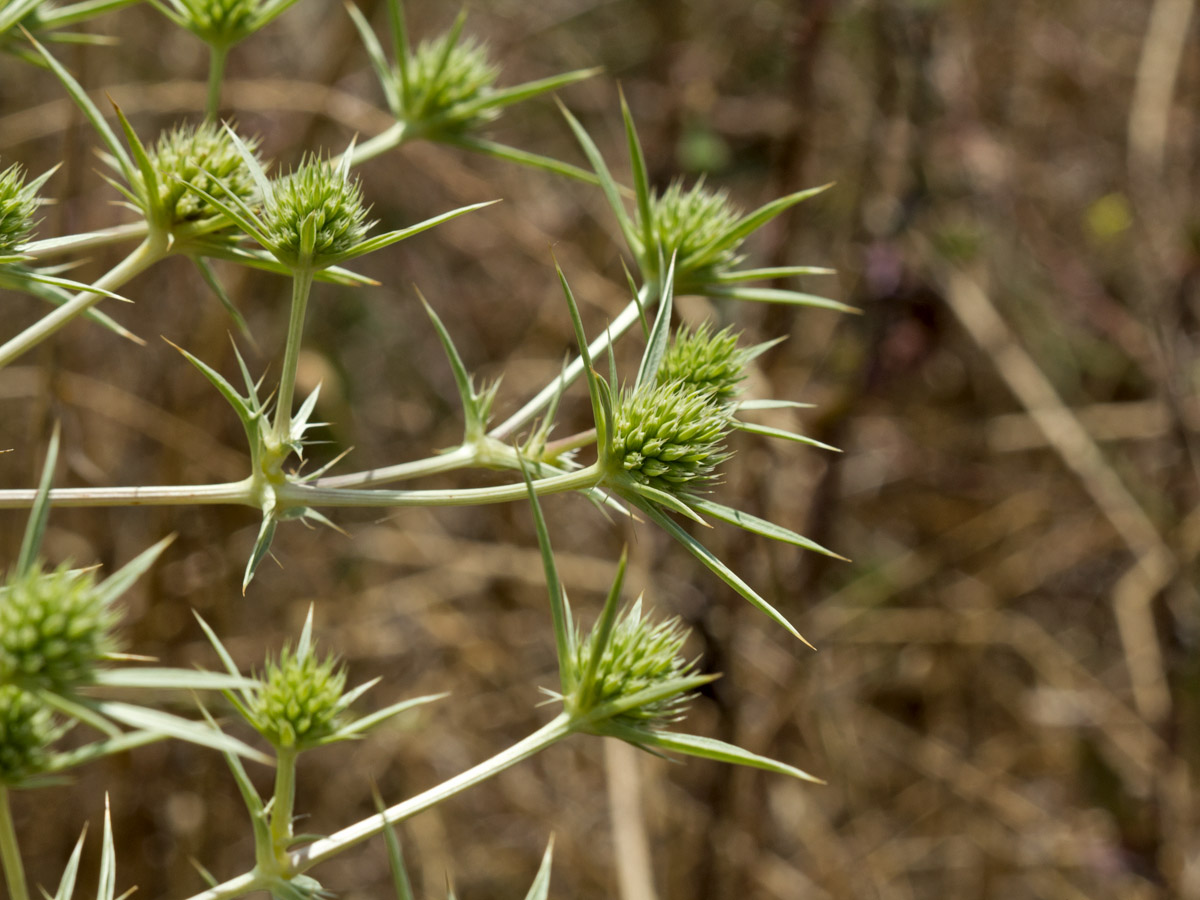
(659, 440)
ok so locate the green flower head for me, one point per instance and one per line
(318, 196)
(27, 728)
(18, 203)
(299, 702)
(711, 364)
(668, 436)
(638, 656)
(203, 156)
(684, 223)
(55, 628)
(222, 22)
(443, 77)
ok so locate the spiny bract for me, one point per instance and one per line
(55, 627)
(668, 436)
(300, 699)
(640, 655)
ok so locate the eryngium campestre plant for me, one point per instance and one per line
(299, 701)
(711, 364)
(639, 655)
(204, 156)
(320, 192)
(27, 728)
(668, 436)
(440, 78)
(55, 627)
(18, 202)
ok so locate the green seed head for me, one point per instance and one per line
(300, 700)
(320, 192)
(668, 436)
(55, 627)
(17, 206)
(711, 363)
(222, 22)
(27, 728)
(640, 655)
(436, 88)
(686, 222)
(203, 155)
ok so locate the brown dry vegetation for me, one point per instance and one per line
(1004, 703)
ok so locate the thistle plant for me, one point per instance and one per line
(445, 91)
(659, 438)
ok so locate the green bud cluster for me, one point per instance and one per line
(300, 700)
(440, 80)
(205, 156)
(27, 728)
(317, 189)
(682, 223)
(221, 23)
(669, 435)
(55, 627)
(18, 202)
(640, 655)
(711, 364)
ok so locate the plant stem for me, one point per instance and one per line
(383, 142)
(302, 280)
(292, 495)
(216, 74)
(149, 251)
(234, 492)
(10, 855)
(459, 458)
(319, 851)
(647, 297)
(283, 804)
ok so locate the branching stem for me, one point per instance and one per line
(147, 253)
(302, 280)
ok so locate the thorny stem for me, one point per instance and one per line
(550, 733)
(292, 495)
(460, 457)
(647, 296)
(317, 852)
(149, 251)
(302, 280)
(10, 854)
(216, 74)
(232, 492)
(386, 140)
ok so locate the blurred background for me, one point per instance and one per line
(1004, 701)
